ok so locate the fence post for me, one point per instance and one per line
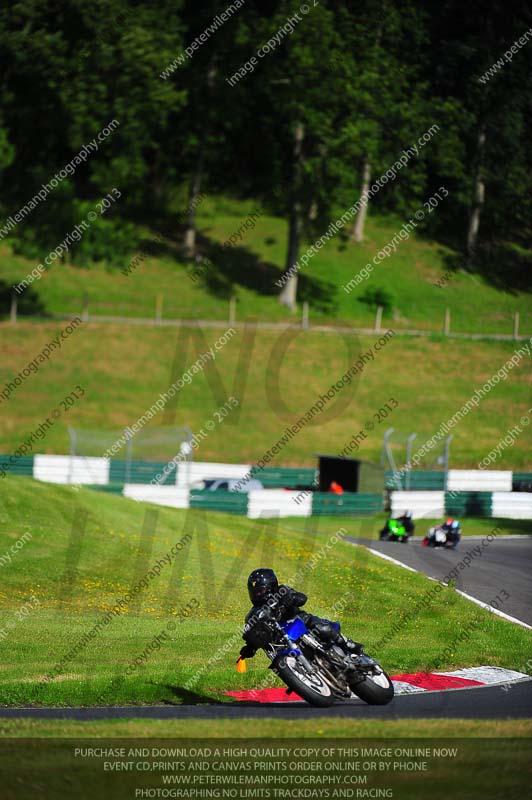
(158, 309)
(73, 438)
(409, 442)
(516, 325)
(378, 319)
(85, 312)
(232, 310)
(447, 322)
(304, 317)
(13, 312)
(446, 454)
(129, 449)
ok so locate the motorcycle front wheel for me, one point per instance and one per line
(308, 685)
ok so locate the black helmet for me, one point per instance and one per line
(261, 584)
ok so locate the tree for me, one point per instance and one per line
(490, 179)
(289, 292)
(300, 103)
(386, 96)
(93, 68)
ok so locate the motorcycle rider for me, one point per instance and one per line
(447, 534)
(407, 521)
(399, 526)
(264, 590)
(452, 531)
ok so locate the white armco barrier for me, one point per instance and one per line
(479, 480)
(277, 503)
(206, 470)
(160, 495)
(71, 469)
(420, 504)
(513, 505)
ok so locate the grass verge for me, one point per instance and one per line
(88, 549)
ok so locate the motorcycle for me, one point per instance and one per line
(319, 674)
(442, 536)
(398, 530)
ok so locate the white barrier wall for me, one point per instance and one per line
(71, 469)
(206, 470)
(161, 495)
(514, 505)
(277, 503)
(421, 504)
(478, 480)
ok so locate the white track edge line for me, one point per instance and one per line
(388, 558)
(494, 610)
(467, 596)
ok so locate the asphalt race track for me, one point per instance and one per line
(503, 564)
(489, 702)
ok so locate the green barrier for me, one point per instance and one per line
(230, 502)
(279, 478)
(270, 477)
(347, 503)
(141, 472)
(522, 482)
(420, 480)
(470, 504)
(20, 466)
(109, 488)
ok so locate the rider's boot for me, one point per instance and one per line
(352, 647)
(329, 634)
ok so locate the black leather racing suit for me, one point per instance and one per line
(288, 603)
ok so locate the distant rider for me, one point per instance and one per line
(452, 530)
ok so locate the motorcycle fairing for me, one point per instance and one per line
(294, 628)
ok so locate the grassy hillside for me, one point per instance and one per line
(87, 551)
(123, 369)
(250, 268)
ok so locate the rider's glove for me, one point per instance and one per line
(247, 652)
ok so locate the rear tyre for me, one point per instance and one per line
(310, 686)
(375, 690)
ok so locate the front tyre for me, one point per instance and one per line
(308, 685)
(375, 689)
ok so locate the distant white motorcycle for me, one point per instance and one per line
(447, 535)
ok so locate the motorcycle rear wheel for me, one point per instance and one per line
(375, 690)
(311, 687)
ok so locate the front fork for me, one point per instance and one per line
(292, 652)
(290, 649)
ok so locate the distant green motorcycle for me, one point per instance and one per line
(398, 530)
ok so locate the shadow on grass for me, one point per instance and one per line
(28, 303)
(187, 697)
(503, 266)
(228, 268)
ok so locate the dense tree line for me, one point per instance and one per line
(301, 106)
